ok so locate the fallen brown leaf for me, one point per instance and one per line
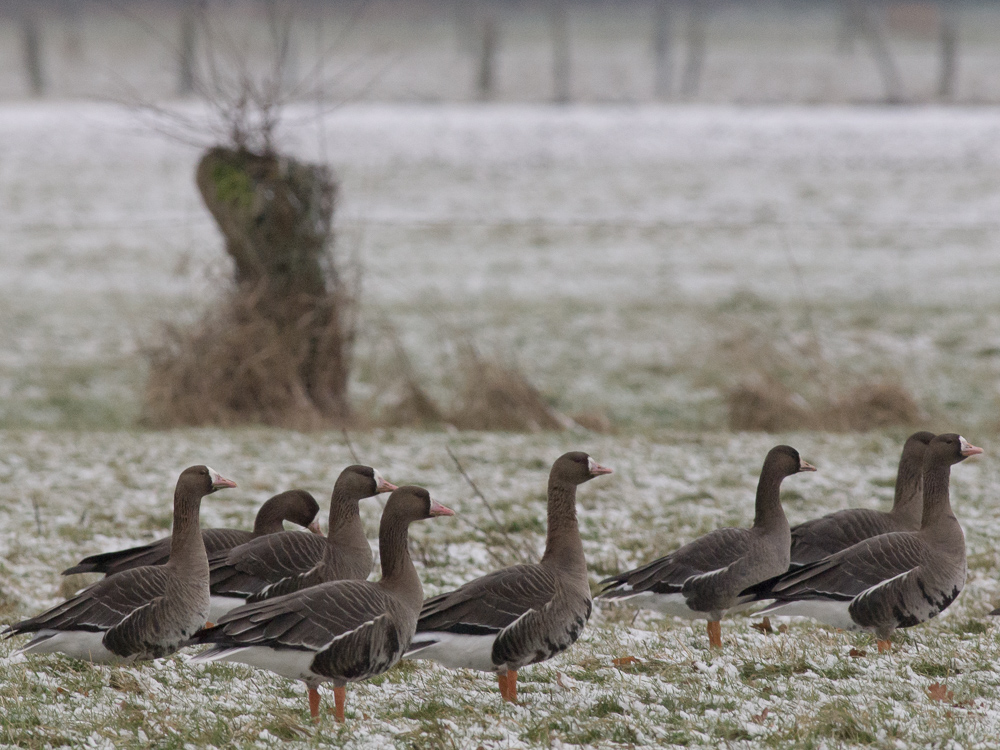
(759, 719)
(857, 653)
(764, 626)
(624, 661)
(939, 692)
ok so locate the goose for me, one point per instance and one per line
(523, 614)
(281, 563)
(297, 506)
(894, 580)
(704, 578)
(340, 631)
(141, 613)
(815, 539)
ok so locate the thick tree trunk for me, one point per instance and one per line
(276, 216)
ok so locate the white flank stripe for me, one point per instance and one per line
(456, 651)
(79, 644)
(825, 610)
(291, 663)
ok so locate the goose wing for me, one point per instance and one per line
(101, 606)
(249, 568)
(820, 537)
(489, 604)
(309, 620)
(850, 572)
(710, 555)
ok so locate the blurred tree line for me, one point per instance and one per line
(678, 37)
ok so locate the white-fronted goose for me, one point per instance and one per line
(341, 631)
(140, 613)
(816, 539)
(523, 614)
(296, 506)
(704, 578)
(285, 562)
(895, 580)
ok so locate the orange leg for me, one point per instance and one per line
(502, 682)
(883, 646)
(340, 699)
(714, 629)
(314, 704)
(512, 685)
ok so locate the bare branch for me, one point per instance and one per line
(522, 552)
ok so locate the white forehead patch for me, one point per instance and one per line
(378, 477)
(215, 476)
(591, 464)
(964, 444)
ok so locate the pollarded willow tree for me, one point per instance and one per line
(276, 347)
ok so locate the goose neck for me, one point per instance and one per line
(187, 548)
(563, 546)
(937, 500)
(768, 512)
(907, 504)
(398, 573)
(345, 528)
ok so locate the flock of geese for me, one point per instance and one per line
(301, 606)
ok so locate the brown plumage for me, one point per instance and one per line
(140, 613)
(523, 614)
(341, 631)
(820, 537)
(894, 580)
(704, 578)
(296, 506)
(285, 562)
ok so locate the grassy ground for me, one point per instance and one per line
(64, 495)
(616, 255)
(634, 262)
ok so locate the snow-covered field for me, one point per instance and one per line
(64, 495)
(610, 251)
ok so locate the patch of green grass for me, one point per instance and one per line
(927, 668)
(972, 627)
(751, 671)
(430, 710)
(605, 706)
(842, 670)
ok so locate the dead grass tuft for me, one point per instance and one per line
(499, 397)
(765, 405)
(240, 364)
(780, 386)
(873, 406)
